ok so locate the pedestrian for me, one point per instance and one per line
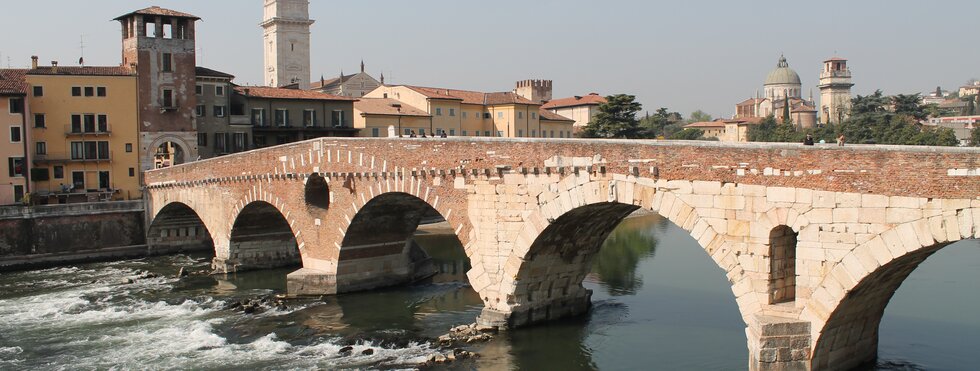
(808, 141)
(411, 134)
(840, 140)
(443, 134)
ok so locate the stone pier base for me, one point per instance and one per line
(524, 315)
(778, 344)
(308, 281)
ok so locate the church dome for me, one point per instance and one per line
(782, 74)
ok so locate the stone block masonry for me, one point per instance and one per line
(848, 223)
(61, 234)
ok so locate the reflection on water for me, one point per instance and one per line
(659, 302)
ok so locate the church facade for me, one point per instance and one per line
(783, 91)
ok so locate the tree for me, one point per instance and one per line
(660, 123)
(616, 119)
(874, 103)
(699, 116)
(688, 134)
(975, 137)
(909, 105)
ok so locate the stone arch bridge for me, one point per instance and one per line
(814, 240)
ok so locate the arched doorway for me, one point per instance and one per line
(168, 154)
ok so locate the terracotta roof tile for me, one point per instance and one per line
(283, 93)
(82, 71)
(707, 124)
(470, 97)
(551, 116)
(591, 99)
(156, 10)
(387, 106)
(12, 82)
(506, 98)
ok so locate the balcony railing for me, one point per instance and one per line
(64, 157)
(106, 130)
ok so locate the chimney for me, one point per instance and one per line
(54, 66)
(33, 62)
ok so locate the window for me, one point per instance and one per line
(438, 111)
(219, 142)
(77, 150)
(561, 134)
(520, 132)
(408, 131)
(258, 117)
(452, 112)
(39, 120)
(520, 114)
(132, 172)
(103, 180)
(282, 117)
(15, 166)
(534, 115)
(438, 131)
(167, 63)
(100, 91)
(219, 111)
(486, 133)
(219, 90)
(16, 105)
(78, 179)
(76, 123)
(421, 131)
(129, 147)
(239, 142)
(38, 91)
(76, 91)
(89, 91)
(500, 115)
(475, 133)
(486, 115)
(168, 31)
(375, 132)
(15, 134)
(198, 89)
(103, 124)
(452, 132)
(202, 139)
(89, 124)
(168, 98)
(338, 118)
(18, 193)
(552, 133)
(309, 118)
(464, 133)
(103, 152)
(200, 111)
(59, 172)
(464, 114)
(40, 148)
(534, 133)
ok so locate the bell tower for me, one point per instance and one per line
(286, 43)
(835, 91)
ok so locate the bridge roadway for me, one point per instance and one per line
(814, 240)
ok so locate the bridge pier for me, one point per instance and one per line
(778, 344)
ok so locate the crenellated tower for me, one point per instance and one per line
(534, 90)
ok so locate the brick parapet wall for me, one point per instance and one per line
(931, 172)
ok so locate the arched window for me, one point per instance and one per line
(317, 193)
(782, 269)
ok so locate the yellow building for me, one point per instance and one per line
(13, 110)
(455, 112)
(84, 133)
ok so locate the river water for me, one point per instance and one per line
(660, 303)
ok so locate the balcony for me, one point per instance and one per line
(64, 157)
(85, 130)
(240, 120)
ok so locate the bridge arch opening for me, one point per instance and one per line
(316, 192)
(380, 247)
(261, 238)
(850, 337)
(178, 228)
(782, 265)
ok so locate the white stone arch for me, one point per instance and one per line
(193, 200)
(158, 140)
(641, 193)
(882, 263)
(257, 194)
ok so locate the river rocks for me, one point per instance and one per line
(452, 356)
(368, 351)
(257, 305)
(346, 351)
(468, 334)
(182, 273)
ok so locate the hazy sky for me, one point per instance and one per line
(683, 55)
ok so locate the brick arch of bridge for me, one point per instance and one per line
(213, 221)
(176, 226)
(846, 310)
(261, 235)
(582, 213)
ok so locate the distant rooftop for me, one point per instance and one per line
(591, 99)
(284, 93)
(156, 10)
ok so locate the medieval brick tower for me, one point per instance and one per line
(158, 44)
(286, 46)
(537, 91)
(835, 91)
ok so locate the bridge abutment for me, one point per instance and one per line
(778, 344)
